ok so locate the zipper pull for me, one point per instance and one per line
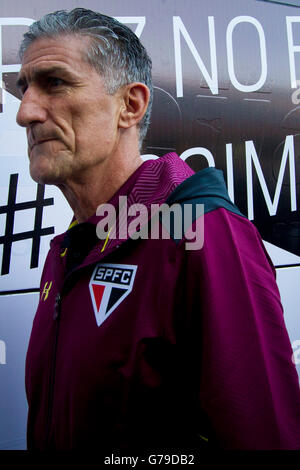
(57, 306)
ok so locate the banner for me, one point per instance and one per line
(226, 94)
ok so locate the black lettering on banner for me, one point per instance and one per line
(9, 236)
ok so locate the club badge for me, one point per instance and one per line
(109, 285)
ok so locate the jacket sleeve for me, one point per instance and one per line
(248, 385)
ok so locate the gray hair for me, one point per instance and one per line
(114, 50)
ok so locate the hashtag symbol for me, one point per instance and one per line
(10, 209)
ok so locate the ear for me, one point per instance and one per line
(135, 99)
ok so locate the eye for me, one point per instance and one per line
(22, 86)
(55, 81)
(23, 89)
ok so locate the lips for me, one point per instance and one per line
(37, 136)
(40, 142)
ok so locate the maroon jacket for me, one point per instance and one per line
(145, 344)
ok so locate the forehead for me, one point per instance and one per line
(65, 51)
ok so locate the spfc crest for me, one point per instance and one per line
(109, 285)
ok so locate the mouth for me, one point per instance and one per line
(39, 142)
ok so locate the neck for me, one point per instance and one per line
(98, 185)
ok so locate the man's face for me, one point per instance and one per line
(71, 122)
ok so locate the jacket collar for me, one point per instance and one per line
(150, 184)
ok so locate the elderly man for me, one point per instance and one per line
(141, 342)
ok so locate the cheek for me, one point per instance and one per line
(95, 129)
(94, 123)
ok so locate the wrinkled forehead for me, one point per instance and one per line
(65, 52)
(66, 45)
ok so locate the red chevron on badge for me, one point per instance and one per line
(109, 285)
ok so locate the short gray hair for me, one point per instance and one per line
(114, 50)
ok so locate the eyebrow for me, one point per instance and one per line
(41, 73)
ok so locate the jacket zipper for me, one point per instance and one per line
(56, 319)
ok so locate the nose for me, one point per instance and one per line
(32, 108)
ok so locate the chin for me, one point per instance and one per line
(44, 175)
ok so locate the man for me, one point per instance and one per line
(141, 342)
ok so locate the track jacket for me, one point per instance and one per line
(154, 343)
